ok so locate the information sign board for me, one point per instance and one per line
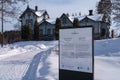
(76, 49)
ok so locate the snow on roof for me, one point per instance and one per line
(71, 19)
(79, 18)
(40, 12)
(52, 21)
(96, 17)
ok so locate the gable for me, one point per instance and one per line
(37, 13)
(86, 19)
(45, 23)
(65, 21)
(28, 10)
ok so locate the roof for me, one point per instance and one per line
(40, 12)
(52, 21)
(79, 18)
(69, 18)
(96, 17)
(37, 13)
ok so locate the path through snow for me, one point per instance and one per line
(39, 58)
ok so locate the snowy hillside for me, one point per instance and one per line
(39, 60)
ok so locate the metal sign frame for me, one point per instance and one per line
(75, 75)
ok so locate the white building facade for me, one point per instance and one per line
(29, 16)
(47, 25)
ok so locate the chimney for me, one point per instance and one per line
(36, 8)
(67, 14)
(90, 12)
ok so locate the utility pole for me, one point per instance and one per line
(2, 25)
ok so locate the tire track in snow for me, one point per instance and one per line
(32, 70)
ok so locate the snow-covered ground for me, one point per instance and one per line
(39, 60)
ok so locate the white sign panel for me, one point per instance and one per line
(76, 49)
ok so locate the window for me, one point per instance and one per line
(46, 17)
(53, 31)
(41, 32)
(49, 31)
(26, 21)
(103, 32)
(64, 20)
(29, 21)
(29, 14)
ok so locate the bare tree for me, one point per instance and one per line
(76, 22)
(8, 9)
(116, 10)
(17, 26)
(104, 7)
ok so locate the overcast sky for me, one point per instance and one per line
(56, 7)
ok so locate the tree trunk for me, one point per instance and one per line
(2, 33)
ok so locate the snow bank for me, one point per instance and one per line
(109, 47)
(24, 47)
(39, 60)
(107, 68)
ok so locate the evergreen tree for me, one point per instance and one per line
(57, 27)
(112, 33)
(0, 34)
(0, 37)
(23, 32)
(12, 36)
(76, 22)
(26, 32)
(29, 32)
(36, 31)
(105, 7)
